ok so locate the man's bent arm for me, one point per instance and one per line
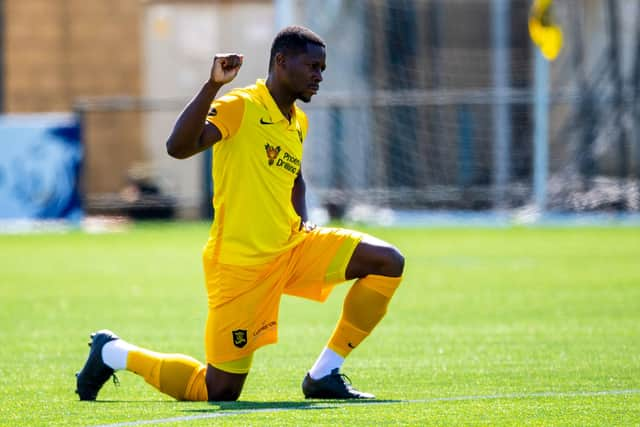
(190, 134)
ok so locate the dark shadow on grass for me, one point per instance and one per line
(244, 405)
(96, 402)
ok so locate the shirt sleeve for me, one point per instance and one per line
(226, 114)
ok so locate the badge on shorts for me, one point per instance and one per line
(239, 337)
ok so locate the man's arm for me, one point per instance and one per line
(191, 134)
(298, 199)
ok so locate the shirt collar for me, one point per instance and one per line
(272, 107)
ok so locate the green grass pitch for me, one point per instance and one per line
(507, 326)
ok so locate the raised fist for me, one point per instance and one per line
(225, 67)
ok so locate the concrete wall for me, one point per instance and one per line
(180, 41)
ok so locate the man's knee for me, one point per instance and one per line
(223, 386)
(387, 261)
(373, 256)
(394, 261)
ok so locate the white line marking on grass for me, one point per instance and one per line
(321, 405)
(524, 396)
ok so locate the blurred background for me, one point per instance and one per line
(430, 111)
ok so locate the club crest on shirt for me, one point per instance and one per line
(272, 153)
(239, 337)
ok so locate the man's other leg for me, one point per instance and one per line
(180, 376)
(176, 375)
(378, 267)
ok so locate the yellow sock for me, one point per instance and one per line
(177, 375)
(364, 306)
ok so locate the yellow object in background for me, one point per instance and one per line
(543, 30)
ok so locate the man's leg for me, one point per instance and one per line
(378, 267)
(176, 375)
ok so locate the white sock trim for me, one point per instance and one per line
(115, 353)
(326, 362)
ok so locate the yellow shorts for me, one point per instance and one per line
(244, 300)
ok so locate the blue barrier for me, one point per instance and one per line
(40, 160)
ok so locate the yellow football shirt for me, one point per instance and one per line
(254, 168)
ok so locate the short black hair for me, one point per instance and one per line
(293, 39)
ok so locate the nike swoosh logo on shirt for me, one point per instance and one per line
(265, 123)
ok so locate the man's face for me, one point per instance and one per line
(303, 72)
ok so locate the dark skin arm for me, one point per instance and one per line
(298, 197)
(191, 133)
(299, 202)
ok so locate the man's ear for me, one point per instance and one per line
(280, 59)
